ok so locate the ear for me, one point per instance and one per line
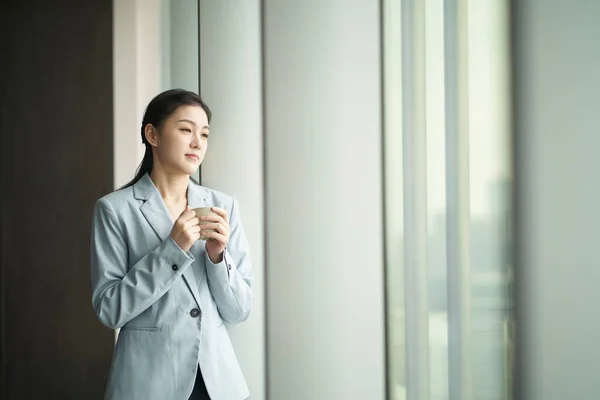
(151, 134)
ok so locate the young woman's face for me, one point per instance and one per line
(181, 142)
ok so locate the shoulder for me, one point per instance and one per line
(115, 200)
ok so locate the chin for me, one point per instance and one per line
(189, 171)
(187, 167)
(184, 170)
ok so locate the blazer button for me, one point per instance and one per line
(194, 313)
(175, 267)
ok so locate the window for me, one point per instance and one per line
(447, 193)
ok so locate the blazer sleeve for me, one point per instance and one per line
(119, 293)
(230, 281)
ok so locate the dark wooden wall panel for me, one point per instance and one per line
(56, 150)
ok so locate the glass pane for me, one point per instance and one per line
(491, 323)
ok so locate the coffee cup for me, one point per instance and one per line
(201, 212)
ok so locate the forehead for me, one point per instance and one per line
(192, 113)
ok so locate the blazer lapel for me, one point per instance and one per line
(153, 208)
(156, 213)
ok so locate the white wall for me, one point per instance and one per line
(557, 144)
(324, 216)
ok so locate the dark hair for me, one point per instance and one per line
(159, 109)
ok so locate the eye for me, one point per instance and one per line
(205, 135)
(186, 130)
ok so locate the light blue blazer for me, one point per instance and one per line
(169, 304)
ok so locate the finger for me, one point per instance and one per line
(215, 236)
(194, 229)
(191, 222)
(221, 212)
(213, 218)
(185, 210)
(218, 226)
(195, 236)
(187, 214)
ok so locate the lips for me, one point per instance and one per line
(194, 156)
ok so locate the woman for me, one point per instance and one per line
(167, 290)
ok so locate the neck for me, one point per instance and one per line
(172, 188)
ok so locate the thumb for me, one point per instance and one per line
(187, 208)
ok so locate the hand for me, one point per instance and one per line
(216, 241)
(186, 230)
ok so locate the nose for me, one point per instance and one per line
(195, 144)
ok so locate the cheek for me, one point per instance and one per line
(170, 151)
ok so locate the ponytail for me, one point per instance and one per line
(145, 167)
